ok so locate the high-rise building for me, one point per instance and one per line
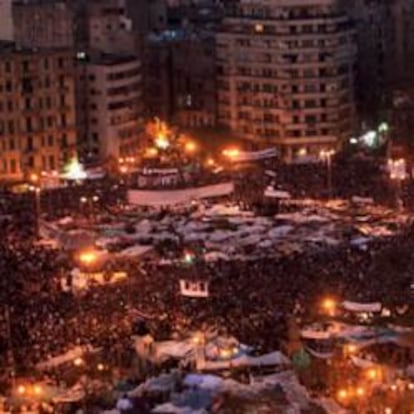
(37, 110)
(110, 122)
(286, 74)
(44, 24)
(180, 81)
(109, 27)
(385, 39)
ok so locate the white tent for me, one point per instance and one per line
(361, 307)
(272, 193)
(135, 251)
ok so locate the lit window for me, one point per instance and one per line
(258, 28)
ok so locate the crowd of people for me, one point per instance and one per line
(251, 300)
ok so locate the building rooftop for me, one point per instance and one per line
(109, 59)
(10, 47)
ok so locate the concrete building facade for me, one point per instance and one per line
(37, 111)
(110, 30)
(110, 109)
(180, 81)
(286, 74)
(44, 24)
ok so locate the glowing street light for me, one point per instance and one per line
(373, 374)
(37, 390)
(161, 142)
(190, 147)
(329, 306)
(342, 394)
(188, 257)
(34, 178)
(210, 162)
(350, 349)
(360, 392)
(231, 153)
(151, 152)
(87, 258)
(21, 390)
(225, 353)
(78, 362)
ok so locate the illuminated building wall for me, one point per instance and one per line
(37, 110)
(110, 108)
(286, 74)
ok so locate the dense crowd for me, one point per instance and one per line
(251, 300)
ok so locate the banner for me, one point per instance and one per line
(246, 156)
(194, 289)
(174, 197)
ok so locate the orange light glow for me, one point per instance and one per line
(21, 389)
(37, 390)
(162, 142)
(342, 394)
(350, 349)
(87, 257)
(329, 306)
(372, 374)
(360, 392)
(34, 178)
(78, 362)
(190, 146)
(231, 153)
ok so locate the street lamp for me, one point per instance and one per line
(89, 201)
(231, 153)
(398, 173)
(34, 179)
(329, 306)
(78, 362)
(87, 257)
(190, 147)
(326, 156)
(21, 389)
(161, 142)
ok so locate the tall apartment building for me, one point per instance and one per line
(44, 23)
(179, 74)
(37, 111)
(110, 29)
(110, 122)
(286, 74)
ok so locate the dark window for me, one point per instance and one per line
(29, 125)
(13, 166)
(25, 66)
(51, 162)
(30, 143)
